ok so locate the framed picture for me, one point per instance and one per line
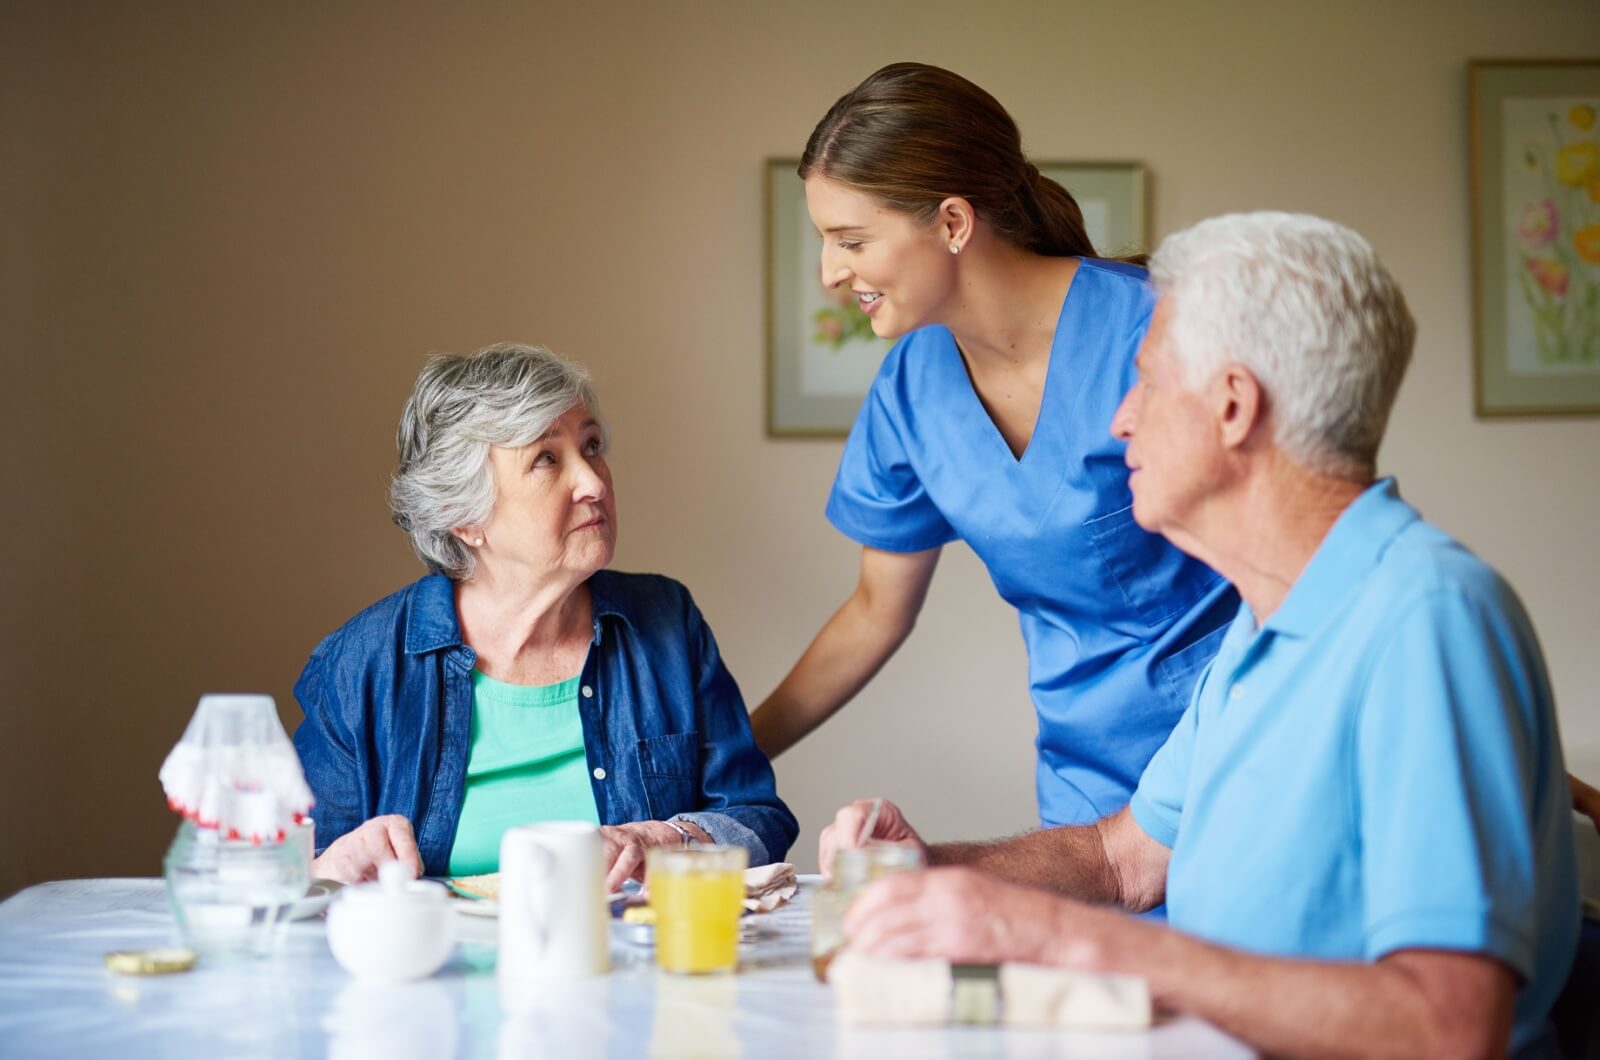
(821, 353)
(1535, 131)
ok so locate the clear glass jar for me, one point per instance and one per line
(853, 869)
(232, 897)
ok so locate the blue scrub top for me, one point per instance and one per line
(1117, 622)
(1376, 768)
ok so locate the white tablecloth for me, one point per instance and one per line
(57, 1000)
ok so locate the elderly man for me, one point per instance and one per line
(1361, 825)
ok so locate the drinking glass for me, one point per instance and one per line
(698, 896)
(853, 869)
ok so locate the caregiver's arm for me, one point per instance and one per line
(849, 649)
(1585, 799)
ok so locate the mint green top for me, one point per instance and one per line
(526, 764)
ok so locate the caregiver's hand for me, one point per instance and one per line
(847, 826)
(626, 844)
(355, 856)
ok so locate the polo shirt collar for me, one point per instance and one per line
(432, 622)
(1352, 547)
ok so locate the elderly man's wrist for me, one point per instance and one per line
(1080, 936)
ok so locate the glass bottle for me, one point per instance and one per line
(853, 869)
(232, 897)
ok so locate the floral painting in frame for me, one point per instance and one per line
(821, 353)
(1535, 133)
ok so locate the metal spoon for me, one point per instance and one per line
(872, 821)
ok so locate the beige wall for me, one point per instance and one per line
(230, 233)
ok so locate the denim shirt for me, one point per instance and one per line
(388, 705)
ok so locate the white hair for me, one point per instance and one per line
(1308, 308)
(506, 395)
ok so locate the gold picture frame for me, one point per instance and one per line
(1534, 127)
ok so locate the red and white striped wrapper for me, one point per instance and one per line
(235, 771)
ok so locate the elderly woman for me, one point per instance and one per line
(519, 680)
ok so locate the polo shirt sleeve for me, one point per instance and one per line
(878, 498)
(1446, 748)
(1157, 803)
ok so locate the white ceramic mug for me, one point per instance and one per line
(553, 902)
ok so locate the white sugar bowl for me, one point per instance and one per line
(392, 931)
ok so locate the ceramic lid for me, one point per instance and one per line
(395, 890)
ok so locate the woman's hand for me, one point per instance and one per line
(847, 826)
(626, 844)
(355, 856)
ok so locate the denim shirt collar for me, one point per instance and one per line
(432, 623)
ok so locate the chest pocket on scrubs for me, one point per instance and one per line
(670, 768)
(1157, 581)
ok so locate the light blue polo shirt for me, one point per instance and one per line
(1376, 768)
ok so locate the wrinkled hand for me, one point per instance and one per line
(966, 917)
(355, 856)
(626, 844)
(845, 831)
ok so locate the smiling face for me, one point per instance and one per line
(901, 272)
(554, 514)
(1173, 442)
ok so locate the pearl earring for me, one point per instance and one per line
(477, 541)
(955, 249)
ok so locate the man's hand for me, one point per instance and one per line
(967, 917)
(847, 826)
(355, 856)
(626, 844)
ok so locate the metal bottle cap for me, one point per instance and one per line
(161, 961)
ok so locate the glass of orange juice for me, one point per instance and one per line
(697, 894)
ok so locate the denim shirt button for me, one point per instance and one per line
(588, 693)
(599, 773)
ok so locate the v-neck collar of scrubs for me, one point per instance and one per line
(1041, 418)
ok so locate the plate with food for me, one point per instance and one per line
(476, 895)
(480, 895)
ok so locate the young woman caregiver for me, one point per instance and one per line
(989, 422)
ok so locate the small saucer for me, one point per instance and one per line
(315, 900)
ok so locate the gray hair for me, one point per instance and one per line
(506, 395)
(1308, 308)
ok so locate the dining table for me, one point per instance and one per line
(58, 999)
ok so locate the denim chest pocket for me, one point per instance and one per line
(1156, 581)
(670, 768)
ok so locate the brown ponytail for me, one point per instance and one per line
(915, 135)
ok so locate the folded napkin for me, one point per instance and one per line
(766, 887)
(878, 991)
(1032, 995)
(874, 991)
